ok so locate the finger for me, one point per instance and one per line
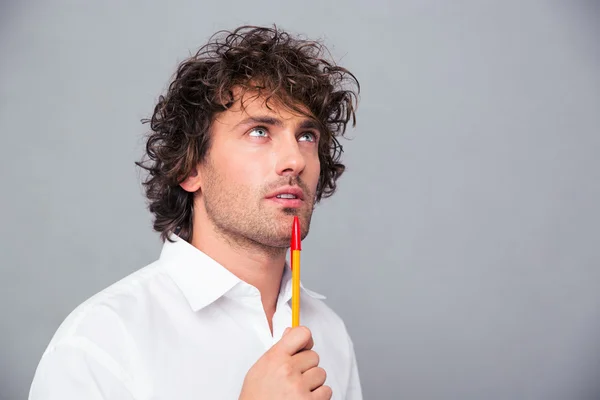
(314, 377)
(310, 343)
(322, 393)
(297, 339)
(305, 360)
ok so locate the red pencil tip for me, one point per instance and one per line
(295, 244)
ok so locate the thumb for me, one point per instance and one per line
(294, 340)
(286, 331)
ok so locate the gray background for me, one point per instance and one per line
(462, 248)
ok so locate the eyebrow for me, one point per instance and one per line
(306, 124)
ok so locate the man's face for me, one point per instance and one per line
(261, 170)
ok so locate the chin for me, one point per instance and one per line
(280, 234)
(273, 241)
(291, 211)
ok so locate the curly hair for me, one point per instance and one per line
(268, 60)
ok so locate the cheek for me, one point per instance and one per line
(242, 172)
(313, 171)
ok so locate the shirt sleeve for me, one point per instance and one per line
(354, 389)
(78, 370)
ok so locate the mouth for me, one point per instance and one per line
(289, 203)
(292, 197)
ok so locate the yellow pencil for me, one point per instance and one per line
(295, 257)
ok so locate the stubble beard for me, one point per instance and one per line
(256, 228)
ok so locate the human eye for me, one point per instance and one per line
(311, 137)
(259, 131)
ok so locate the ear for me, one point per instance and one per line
(192, 183)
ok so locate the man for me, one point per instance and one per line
(243, 141)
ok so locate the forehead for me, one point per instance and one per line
(252, 103)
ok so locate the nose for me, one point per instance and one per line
(290, 160)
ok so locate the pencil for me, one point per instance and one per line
(295, 265)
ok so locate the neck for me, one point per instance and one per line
(258, 265)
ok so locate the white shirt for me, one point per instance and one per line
(182, 327)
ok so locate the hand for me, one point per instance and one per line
(288, 370)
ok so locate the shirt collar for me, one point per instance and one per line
(202, 280)
(286, 286)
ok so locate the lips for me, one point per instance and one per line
(289, 196)
(287, 193)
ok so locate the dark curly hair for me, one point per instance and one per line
(268, 60)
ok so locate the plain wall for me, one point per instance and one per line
(462, 248)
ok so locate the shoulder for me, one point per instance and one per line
(103, 316)
(94, 345)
